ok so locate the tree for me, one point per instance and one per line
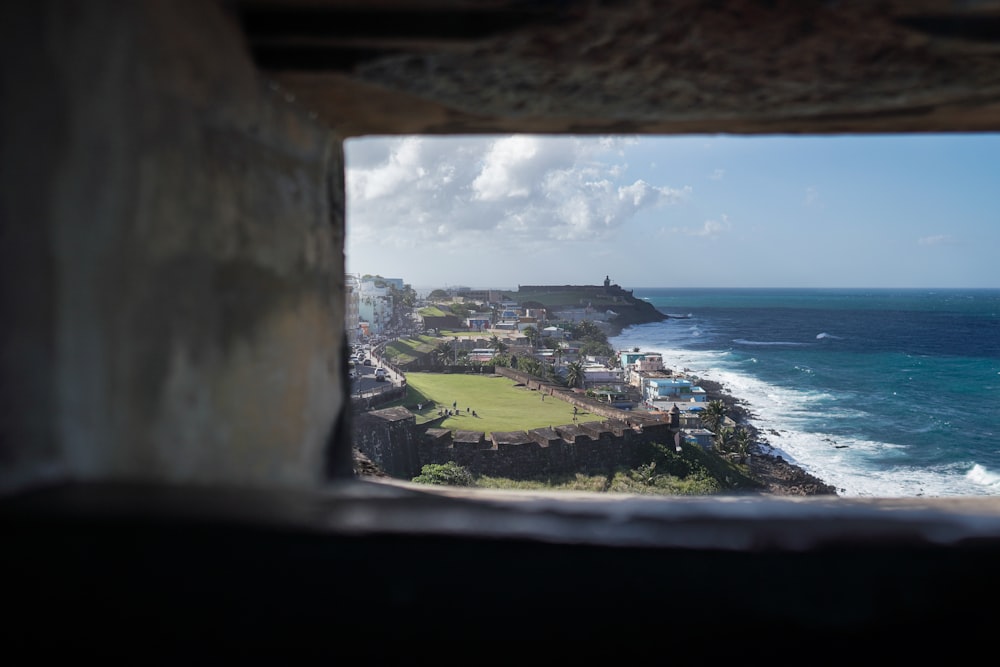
(574, 374)
(646, 474)
(588, 330)
(724, 438)
(529, 366)
(550, 373)
(594, 348)
(497, 345)
(531, 333)
(502, 360)
(444, 352)
(743, 441)
(713, 415)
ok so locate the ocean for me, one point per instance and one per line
(879, 392)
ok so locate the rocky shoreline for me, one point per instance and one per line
(781, 477)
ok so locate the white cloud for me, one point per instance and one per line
(710, 228)
(718, 174)
(507, 168)
(937, 239)
(445, 193)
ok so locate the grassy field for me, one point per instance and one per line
(405, 350)
(499, 404)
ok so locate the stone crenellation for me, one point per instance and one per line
(392, 439)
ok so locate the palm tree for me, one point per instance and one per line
(531, 333)
(529, 366)
(497, 345)
(443, 352)
(550, 373)
(724, 438)
(713, 415)
(574, 374)
(743, 441)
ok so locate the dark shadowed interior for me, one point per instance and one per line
(175, 457)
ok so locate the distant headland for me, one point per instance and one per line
(609, 303)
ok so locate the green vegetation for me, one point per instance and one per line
(574, 374)
(593, 341)
(446, 474)
(501, 406)
(690, 472)
(460, 334)
(433, 311)
(499, 403)
(406, 350)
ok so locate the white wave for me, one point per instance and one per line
(980, 475)
(743, 341)
(787, 421)
(823, 335)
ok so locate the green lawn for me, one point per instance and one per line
(499, 404)
(405, 350)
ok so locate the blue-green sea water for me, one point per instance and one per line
(880, 392)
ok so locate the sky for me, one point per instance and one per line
(689, 211)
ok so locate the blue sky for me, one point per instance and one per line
(695, 211)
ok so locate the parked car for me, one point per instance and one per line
(381, 375)
(367, 362)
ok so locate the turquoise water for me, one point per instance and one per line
(883, 393)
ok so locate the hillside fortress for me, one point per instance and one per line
(391, 438)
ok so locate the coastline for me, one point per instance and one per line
(781, 477)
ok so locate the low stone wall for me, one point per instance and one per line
(390, 438)
(590, 448)
(369, 401)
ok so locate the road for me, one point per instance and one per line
(366, 380)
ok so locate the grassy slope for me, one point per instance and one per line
(434, 311)
(405, 350)
(500, 405)
(503, 406)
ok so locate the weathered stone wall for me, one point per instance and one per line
(172, 258)
(390, 438)
(591, 448)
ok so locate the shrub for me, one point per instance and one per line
(445, 474)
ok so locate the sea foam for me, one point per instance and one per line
(787, 420)
(980, 475)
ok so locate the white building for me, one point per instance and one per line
(352, 319)
(374, 306)
(659, 390)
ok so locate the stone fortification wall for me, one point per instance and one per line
(557, 288)
(390, 438)
(172, 266)
(374, 399)
(590, 448)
